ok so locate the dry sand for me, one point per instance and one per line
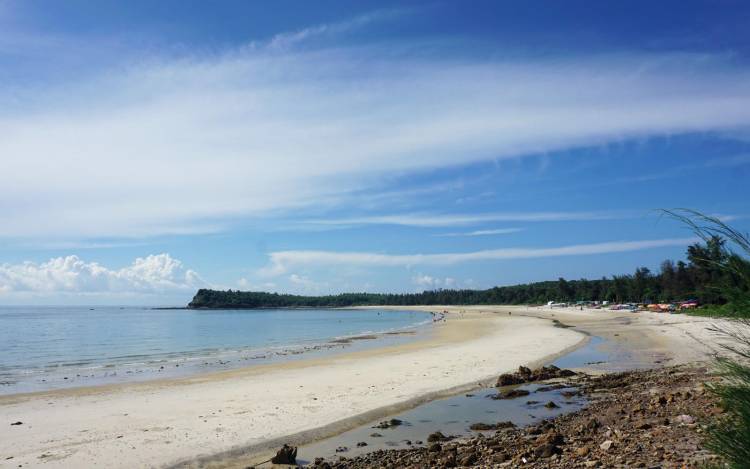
(163, 422)
(212, 418)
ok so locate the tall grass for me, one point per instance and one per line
(729, 437)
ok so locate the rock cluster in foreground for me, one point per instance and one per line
(635, 419)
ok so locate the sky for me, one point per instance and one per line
(148, 149)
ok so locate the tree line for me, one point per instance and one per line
(702, 277)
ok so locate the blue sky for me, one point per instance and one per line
(151, 148)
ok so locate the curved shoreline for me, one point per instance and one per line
(242, 457)
(178, 365)
(214, 419)
(658, 346)
(162, 423)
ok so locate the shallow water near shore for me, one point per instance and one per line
(454, 415)
(451, 416)
(44, 348)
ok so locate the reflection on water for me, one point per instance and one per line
(591, 354)
(451, 416)
(454, 415)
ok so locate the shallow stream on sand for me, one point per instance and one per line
(454, 415)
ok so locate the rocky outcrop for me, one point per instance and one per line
(526, 375)
(286, 455)
(635, 419)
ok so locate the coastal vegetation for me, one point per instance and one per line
(729, 436)
(711, 274)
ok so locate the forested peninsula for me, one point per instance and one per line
(700, 277)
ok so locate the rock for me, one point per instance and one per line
(552, 387)
(467, 459)
(511, 394)
(592, 424)
(286, 455)
(552, 438)
(546, 450)
(491, 426)
(621, 426)
(448, 461)
(376, 435)
(507, 379)
(499, 458)
(320, 463)
(389, 423)
(481, 426)
(551, 405)
(525, 375)
(437, 436)
(361, 444)
(642, 425)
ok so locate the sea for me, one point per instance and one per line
(51, 347)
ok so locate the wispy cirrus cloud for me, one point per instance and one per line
(496, 231)
(290, 39)
(452, 219)
(281, 261)
(186, 144)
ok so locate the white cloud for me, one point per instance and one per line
(187, 145)
(246, 284)
(152, 274)
(427, 281)
(287, 40)
(483, 232)
(424, 280)
(281, 261)
(729, 162)
(303, 284)
(452, 219)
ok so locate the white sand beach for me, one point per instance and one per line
(188, 420)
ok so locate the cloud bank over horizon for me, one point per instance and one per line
(154, 274)
(161, 273)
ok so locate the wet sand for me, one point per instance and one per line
(619, 341)
(213, 418)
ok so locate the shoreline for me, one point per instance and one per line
(176, 365)
(257, 454)
(162, 423)
(628, 356)
(639, 418)
(159, 424)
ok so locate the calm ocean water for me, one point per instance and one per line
(51, 347)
